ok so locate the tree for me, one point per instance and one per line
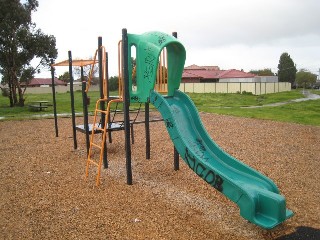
(95, 81)
(65, 77)
(20, 43)
(87, 70)
(286, 69)
(263, 72)
(305, 78)
(134, 71)
(113, 83)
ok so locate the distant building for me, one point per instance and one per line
(44, 82)
(206, 74)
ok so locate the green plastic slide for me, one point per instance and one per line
(256, 195)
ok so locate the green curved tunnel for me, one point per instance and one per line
(148, 48)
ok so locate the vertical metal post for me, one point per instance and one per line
(72, 102)
(102, 105)
(105, 152)
(126, 104)
(175, 34)
(108, 93)
(147, 128)
(85, 110)
(175, 159)
(54, 99)
(175, 152)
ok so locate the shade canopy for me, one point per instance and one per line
(78, 63)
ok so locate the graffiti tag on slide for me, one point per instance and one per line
(202, 171)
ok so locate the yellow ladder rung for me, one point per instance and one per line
(101, 146)
(101, 111)
(96, 145)
(98, 128)
(93, 162)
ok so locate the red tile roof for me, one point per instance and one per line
(196, 67)
(45, 81)
(213, 72)
(186, 74)
(233, 73)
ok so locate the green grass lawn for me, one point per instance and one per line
(307, 112)
(63, 103)
(208, 100)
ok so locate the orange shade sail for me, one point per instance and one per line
(78, 63)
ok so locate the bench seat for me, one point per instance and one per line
(37, 107)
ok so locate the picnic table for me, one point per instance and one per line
(39, 105)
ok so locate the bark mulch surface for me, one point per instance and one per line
(44, 193)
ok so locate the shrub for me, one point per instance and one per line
(5, 92)
(247, 93)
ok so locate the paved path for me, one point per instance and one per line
(308, 96)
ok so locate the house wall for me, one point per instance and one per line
(236, 80)
(268, 79)
(187, 80)
(255, 88)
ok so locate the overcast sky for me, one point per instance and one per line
(231, 34)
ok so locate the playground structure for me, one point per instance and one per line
(257, 196)
(101, 58)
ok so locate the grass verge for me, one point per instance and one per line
(306, 112)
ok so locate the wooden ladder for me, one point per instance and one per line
(101, 143)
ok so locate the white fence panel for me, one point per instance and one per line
(188, 87)
(270, 88)
(256, 88)
(234, 87)
(198, 88)
(248, 87)
(210, 87)
(222, 88)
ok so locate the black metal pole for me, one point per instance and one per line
(147, 128)
(54, 99)
(126, 104)
(175, 159)
(102, 105)
(175, 34)
(175, 152)
(108, 94)
(105, 152)
(85, 110)
(72, 102)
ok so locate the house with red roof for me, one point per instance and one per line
(44, 82)
(207, 74)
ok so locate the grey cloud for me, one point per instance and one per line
(257, 23)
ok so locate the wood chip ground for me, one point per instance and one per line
(44, 193)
